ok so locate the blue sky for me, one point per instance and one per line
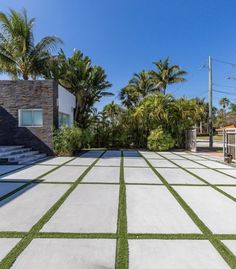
(126, 36)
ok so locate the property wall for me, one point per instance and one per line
(15, 95)
(66, 103)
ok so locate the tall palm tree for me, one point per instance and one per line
(20, 57)
(167, 74)
(138, 87)
(87, 82)
(224, 102)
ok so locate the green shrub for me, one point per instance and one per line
(87, 138)
(159, 140)
(67, 140)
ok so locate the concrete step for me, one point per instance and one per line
(4, 154)
(32, 159)
(18, 157)
(9, 148)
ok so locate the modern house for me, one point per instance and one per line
(29, 112)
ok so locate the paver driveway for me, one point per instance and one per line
(119, 209)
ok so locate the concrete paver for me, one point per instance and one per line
(28, 173)
(135, 161)
(140, 175)
(8, 187)
(178, 176)
(178, 254)
(152, 209)
(22, 210)
(57, 160)
(68, 253)
(89, 209)
(161, 163)
(6, 244)
(8, 168)
(65, 174)
(213, 208)
(213, 177)
(101, 175)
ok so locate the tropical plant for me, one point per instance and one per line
(166, 74)
(224, 102)
(20, 57)
(67, 140)
(159, 140)
(87, 82)
(138, 87)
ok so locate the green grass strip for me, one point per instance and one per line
(12, 234)
(77, 235)
(168, 236)
(227, 255)
(122, 252)
(7, 262)
(36, 180)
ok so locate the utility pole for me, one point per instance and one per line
(210, 124)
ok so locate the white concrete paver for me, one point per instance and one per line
(230, 172)
(231, 244)
(152, 209)
(57, 160)
(131, 153)
(68, 253)
(151, 155)
(187, 164)
(8, 168)
(213, 177)
(174, 254)
(65, 174)
(178, 176)
(213, 208)
(213, 164)
(161, 163)
(28, 173)
(8, 187)
(22, 210)
(101, 174)
(112, 153)
(6, 244)
(82, 161)
(89, 209)
(135, 161)
(109, 161)
(140, 175)
(92, 154)
(229, 190)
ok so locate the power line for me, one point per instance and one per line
(229, 93)
(224, 86)
(224, 62)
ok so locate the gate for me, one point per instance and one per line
(191, 139)
(229, 145)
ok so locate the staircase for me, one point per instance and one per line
(19, 155)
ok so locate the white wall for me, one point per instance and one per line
(66, 103)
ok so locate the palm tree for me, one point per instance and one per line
(167, 74)
(224, 102)
(138, 87)
(88, 83)
(19, 55)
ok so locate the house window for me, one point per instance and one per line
(30, 118)
(64, 119)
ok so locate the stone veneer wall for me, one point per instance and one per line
(15, 95)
